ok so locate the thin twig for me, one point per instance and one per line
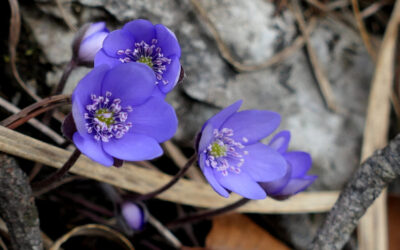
(65, 16)
(164, 231)
(15, 28)
(60, 173)
(322, 80)
(207, 214)
(35, 109)
(227, 55)
(35, 123)
(363, 31)
(174, 180)
(24, 119)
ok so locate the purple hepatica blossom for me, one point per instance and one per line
(117, 118)
(142, 42)
(231, 156)
(92, 41)
(296, 178)
(134, 215)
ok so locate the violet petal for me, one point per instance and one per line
(92, 149)
(250, 126)
(154, 118)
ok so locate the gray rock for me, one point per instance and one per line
(52, 77)
(165, 12)
(50, 8)
(54, 39)
(252, 38)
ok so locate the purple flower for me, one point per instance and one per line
(296, 178)
(142, 42)
(134, 215)
(231, 155)
(116, 116)
(92, 41)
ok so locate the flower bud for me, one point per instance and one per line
(88, 42)
(134, 215)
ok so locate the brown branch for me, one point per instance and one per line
(35, 123)
(17, 206)
(364, 187)
(35, 110)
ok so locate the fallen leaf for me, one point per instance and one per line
(237, 232)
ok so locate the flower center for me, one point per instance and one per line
(218, 150)
(104, 115)
(146, 60)
(149, 54)
(225, 154)
(106, 118)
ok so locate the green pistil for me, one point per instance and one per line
(146, 60)
(104, 115)
(218, 150)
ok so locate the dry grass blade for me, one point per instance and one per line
(94, 230)
(322, 80)
(226, 54)
(372, 232)
(363, 31)
(15, 28)
(141, 180)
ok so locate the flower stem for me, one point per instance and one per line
(60, 173)
(63, 80)
(206, 214)
(174, 180)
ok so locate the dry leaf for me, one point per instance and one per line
(237, 232)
